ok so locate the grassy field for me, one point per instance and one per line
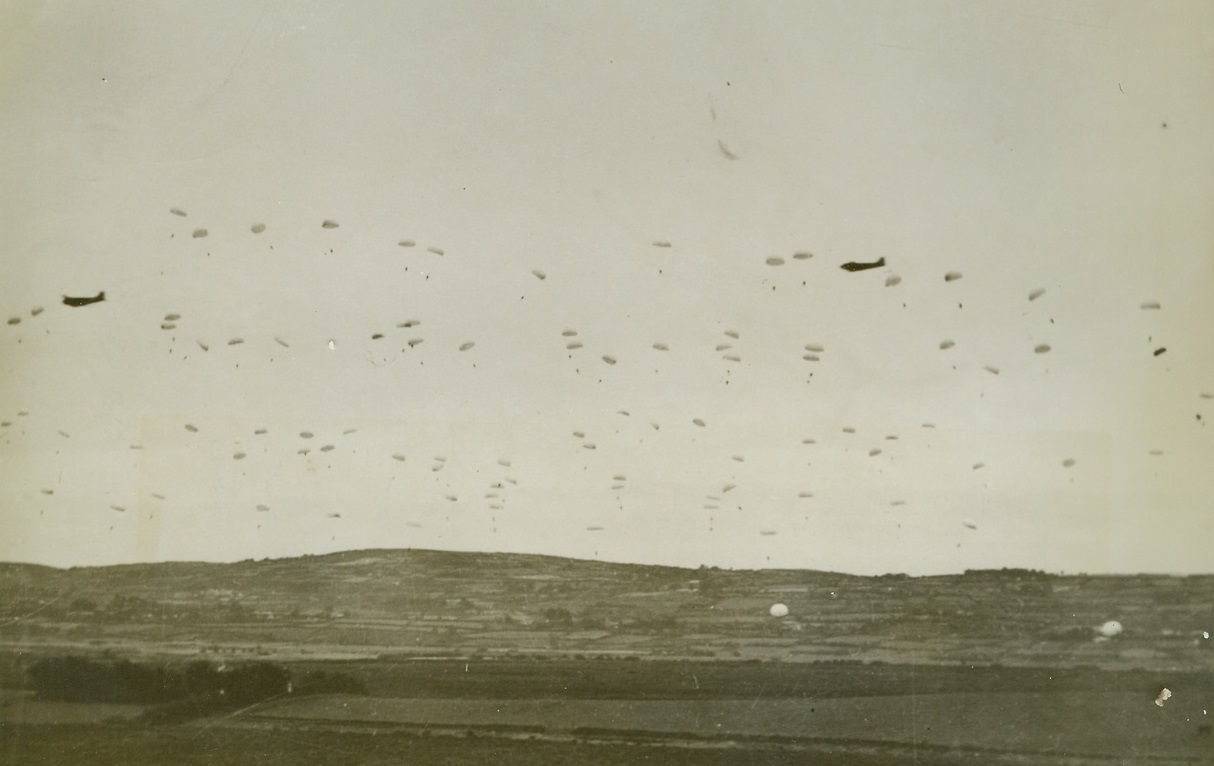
(81, 745)
(831, 708)
(505, 659)
(18, 708)
(692, 680)
(1078, 723)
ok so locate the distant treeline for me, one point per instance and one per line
(200, 684)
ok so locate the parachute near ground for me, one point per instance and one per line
(1110, 629)
(778, 610)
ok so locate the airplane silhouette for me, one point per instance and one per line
(857, 266)
(84, 301)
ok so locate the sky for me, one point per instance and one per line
(566, 279)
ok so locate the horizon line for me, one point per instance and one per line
(701, 567)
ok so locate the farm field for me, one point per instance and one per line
(592, 711)
(505, 659)
(232, 745)
(21, 708)
(413, 603)
(1075, 723)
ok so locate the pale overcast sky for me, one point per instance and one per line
(614, 175)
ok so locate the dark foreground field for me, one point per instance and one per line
(659, 712)
(103, 745)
